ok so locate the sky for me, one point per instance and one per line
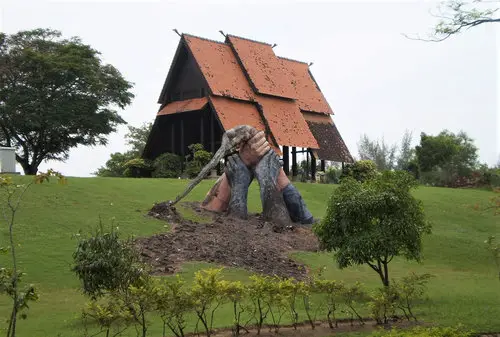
(377, 81)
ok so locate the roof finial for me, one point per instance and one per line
(220, 31)
(177, 32)
(311, 63)
(274, 45)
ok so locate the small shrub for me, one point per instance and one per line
(197, 160)
(383, 304)
(257, 290)
(362, 170)
(173, 303)
(410, 289)
(137, 168)
(333, 175)
(167, 165)
(109, 314)
(332, 294)
(104, 263)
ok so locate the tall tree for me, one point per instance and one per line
(137, 137)
(454, 153)
(55, 94)
(381, 153)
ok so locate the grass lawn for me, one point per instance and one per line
(465, 290)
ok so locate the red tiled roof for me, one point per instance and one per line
(307, 93)
(232, 113)
(332, 146)
(220, 68)
(183, 106)
(286, 122)
(263, 67)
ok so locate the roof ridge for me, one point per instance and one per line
(202, 38)
(247, 39)
(292, 60)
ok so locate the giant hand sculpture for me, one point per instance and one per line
(281, 201)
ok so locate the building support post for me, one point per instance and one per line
(172, 138)
(323, 166)
(202, 133)
(212, 134)
(313, 168)
(286, 160)
(294, 162)
(182, 139)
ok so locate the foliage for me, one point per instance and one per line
(236, 294)
(371, 222)
(174, 302)
(410, 289)
(108, 314)
(333, 175)
(380, 153)
(207, 296)
(351, 295)
(453, 156)
(137, 168)
(458, 15)
(140, 300)
(137, 137)
(385, 156)
(197, 159)
(105, 263)
(383, 304)
(115, 166)
(55, 94)
(167, 165)
(257, 290)
(10, 278)
(420, 331)
(361, 170)
(332, 294)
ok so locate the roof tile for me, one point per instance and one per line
(220, 67)
(332, 146)
(263, 67)
(183, 106)
(232, 113)
(286, 122)
(307, 93)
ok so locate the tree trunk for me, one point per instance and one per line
(29, 169)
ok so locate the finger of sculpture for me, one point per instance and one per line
(254, 149)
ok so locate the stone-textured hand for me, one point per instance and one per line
(253, 150)
(239, 177)
(273, 206)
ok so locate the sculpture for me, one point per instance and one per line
(281, 201)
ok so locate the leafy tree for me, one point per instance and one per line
(454, 155)
(360, 170)
(197, 159)
(55, 94)
(459, 15)
(115, 166)
(381, 153)
(371, 222)
(167, 165)
(137, 137)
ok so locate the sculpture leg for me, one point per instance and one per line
(273, 205)
(217, 199)
(239, 178)
(296, 206)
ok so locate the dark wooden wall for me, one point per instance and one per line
(174, 133)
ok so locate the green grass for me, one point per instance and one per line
(465, 290)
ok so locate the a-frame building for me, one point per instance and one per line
(214, 86)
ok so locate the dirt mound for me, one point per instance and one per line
(253, 244)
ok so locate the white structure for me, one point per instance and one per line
(7, 160)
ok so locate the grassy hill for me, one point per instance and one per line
(465, 290)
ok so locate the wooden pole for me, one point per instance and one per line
(323, 166)
(286, 160)
(307, 161)
(172, 135)
(294, 162)
(313, 168)
(182, 138)
(212, 134)
(202, 133)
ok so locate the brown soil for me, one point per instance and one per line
(252, 244)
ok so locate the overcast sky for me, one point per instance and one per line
(377, 81)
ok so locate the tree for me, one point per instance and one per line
(55, 94)
(386, 156)
(458, 15)
(454, 155)
(371, 222)
(136, 137)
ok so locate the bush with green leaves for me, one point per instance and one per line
(333, 175)
(167, 165)
(197, 159)
(105, 263)
(173, 303)
(361, 170)
(373, 221)
(410, 289)
(137, 168)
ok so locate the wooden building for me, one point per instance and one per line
(214, 86)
